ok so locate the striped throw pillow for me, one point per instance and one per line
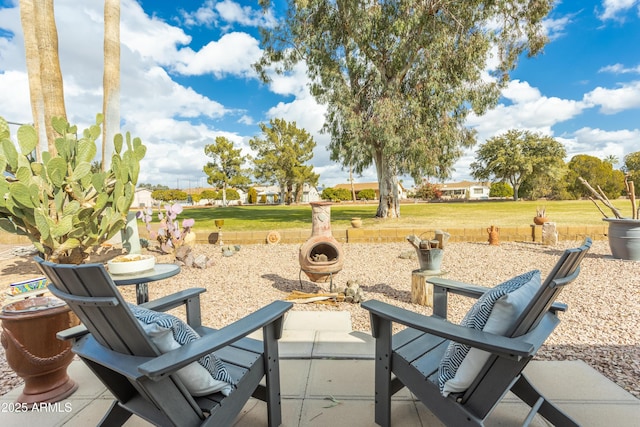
(205, 376)
(477, 318)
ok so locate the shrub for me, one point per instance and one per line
(500, 189)
(428, 191)
(366, 194)
(169, 195)
(252, 196)
(336, 194)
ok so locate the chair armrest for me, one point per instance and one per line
(178, 358)
(72, 333)
(465, 289)
(460, 288)
(512, 348)
(188, 297)
(125, 364)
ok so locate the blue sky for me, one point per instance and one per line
(187, 78)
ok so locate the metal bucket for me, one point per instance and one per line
(430, 259)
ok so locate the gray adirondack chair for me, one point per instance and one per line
(411, 357)
(112, 343)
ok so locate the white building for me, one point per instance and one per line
(142, 198)
(465, 190)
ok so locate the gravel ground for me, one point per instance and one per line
(600, 327)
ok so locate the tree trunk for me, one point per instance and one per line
(353, 188)
(27, 18)
(224, 194)
(388, 205)
(111, 79)
(50, 74)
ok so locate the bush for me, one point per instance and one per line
(500, 189)
(232, 194)
(336, 194)
(169, 195)
(366, 194)
(252, 196)
(428, 191)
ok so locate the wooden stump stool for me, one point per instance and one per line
(421, 291)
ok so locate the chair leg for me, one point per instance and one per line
(530, 395)
(383, 373)
(272, 373)
(115, 416)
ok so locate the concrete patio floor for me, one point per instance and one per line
(327, 380)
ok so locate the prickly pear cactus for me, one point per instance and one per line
(59, 202)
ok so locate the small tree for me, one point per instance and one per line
(516, 155)
(281, 158)
(226, 168)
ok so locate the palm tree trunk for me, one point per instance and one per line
(27, 19)
(111, 79)
(50, 74)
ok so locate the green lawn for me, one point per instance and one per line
(440, 215)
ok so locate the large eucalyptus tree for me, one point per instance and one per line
(399, 77)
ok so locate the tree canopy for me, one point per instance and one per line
(517, 155)
(632, 169)
(597, 172)
(400, 77)
(226, 167)
(281, 157)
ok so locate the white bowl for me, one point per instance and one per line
(131, 263)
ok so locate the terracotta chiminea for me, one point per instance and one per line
(321, 255)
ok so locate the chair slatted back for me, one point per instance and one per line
(93, 296)
(564, 272)
(498, 374)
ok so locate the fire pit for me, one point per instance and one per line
(321, 255)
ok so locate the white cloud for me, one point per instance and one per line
(613, 9)
(232, 13)
(150, 37)
(611, 101)
(204, 15)
(294, 82)
(555, 27)
(529, 109)
(601, 143)
(226, 13)
(620, 69)
(14, 105)
(246, 120)
(233, 53)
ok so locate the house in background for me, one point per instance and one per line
(272, 194)
(310, 194)
(142, 198)
(464, 190)
(358, 186)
